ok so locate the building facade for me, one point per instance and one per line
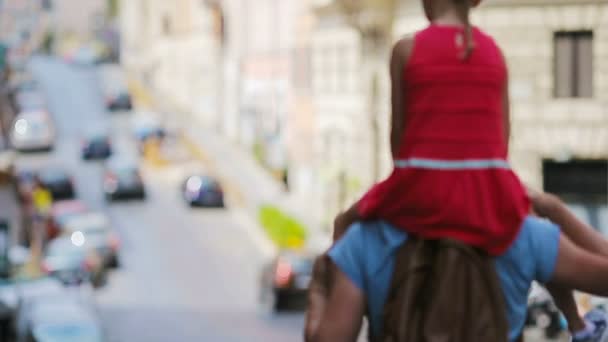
(557, 53)
(76, 16)
(280, 76)
(174, 48)
(240, 66)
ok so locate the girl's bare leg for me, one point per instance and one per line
(345, 220)
(564, 299)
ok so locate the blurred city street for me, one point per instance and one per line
(185, 275)
(170, 170)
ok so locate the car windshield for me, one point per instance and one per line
(202, 182)
(99, 139)
(126, 173)
(53, 175)
(94, 230)
(64, 247)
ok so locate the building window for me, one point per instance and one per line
(573, 64)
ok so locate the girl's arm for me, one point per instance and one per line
(584, 236)
(399, 57)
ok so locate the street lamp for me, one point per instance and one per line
(373, 20)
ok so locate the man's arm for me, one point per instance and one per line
(344, 311)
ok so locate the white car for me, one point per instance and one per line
(33, 130)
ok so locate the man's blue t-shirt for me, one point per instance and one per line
(366, 254)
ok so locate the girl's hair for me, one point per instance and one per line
(464, 7)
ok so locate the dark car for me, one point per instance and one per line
(286, 277)
(123, 180)
(203, 191)
(96, 146)
(119, 101)
(58, 182)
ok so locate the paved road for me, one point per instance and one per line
(186, 275)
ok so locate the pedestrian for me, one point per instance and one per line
(449, 140)
(353, 280)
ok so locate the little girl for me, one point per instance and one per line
(449, 140)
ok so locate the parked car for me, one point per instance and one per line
(123, 180)
(59, 183)
(62, 211)
(286, 277)
(97, 234)
(203, 191)
(68, 259)
(65, 316)
(96, 145)
(33, 131)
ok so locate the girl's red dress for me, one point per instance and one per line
(451, 178)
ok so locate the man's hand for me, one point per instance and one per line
(318, 295)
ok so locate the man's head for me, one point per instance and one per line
(435, 8)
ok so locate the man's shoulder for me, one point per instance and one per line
(375, 235)
(365, 249)
(370, 243)
(534, 251)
